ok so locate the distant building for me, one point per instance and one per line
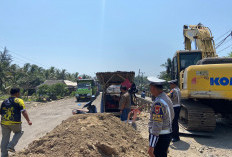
(71, 85)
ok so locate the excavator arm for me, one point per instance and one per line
(202, 37)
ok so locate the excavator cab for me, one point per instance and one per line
(182, 60)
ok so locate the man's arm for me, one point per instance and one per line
(175, 95)
(25, 115)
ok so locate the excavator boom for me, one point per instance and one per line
(202, 37)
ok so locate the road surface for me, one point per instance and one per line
(45, 118)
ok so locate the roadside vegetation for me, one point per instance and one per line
(29, 76)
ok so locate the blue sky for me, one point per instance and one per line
(89, 36)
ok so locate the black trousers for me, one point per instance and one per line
(175, 125)
(161, 148)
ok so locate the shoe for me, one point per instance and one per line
(11, 150)
(175, 139)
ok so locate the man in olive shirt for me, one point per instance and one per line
(124, 103)
(10, 111)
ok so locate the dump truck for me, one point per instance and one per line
(110, 82)
(86, 88)
(205, 80)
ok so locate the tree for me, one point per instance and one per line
(84, 76)
(166, 75)
(61, 75)
(29, 76)
(141, 82)
(5, 60)
(230, 54)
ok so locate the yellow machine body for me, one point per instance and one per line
(211, 81)
(205, 80)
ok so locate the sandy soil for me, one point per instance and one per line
(45, 117)
(89, 135)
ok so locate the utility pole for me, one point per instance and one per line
(142, 81)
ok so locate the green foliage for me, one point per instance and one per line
(5, 75)
(166, 75)
(230, 54)
(29, 76)
(56, 91)
(73, 93)
(163, 75)
(141, 82)
(84, 76)
(43, 90)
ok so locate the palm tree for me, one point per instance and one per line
(52, 73)
(168, 66)
(26, 67)
(63, 74)
(5, 60)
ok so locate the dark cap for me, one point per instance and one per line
(173, 82)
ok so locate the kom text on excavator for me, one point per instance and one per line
(205, 80)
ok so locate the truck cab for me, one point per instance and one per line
(85, 89)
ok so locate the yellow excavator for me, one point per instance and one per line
(205, 80)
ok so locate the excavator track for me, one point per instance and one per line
(195, 116)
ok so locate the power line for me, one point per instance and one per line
(20, 62)
(23, 57)
(17, 59)
(29, 59)
(223, 40)
(224, 34)
(225, 48)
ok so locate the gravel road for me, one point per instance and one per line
(45, 118)
(217, 145)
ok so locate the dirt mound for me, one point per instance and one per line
(89, 135)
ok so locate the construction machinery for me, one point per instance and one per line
(205, 80)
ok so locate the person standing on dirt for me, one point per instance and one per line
(10, 111)
(160, 123)
(175, 96)
(124, 103)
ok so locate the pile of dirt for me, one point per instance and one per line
(89, 135)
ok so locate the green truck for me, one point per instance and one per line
(86, 89)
